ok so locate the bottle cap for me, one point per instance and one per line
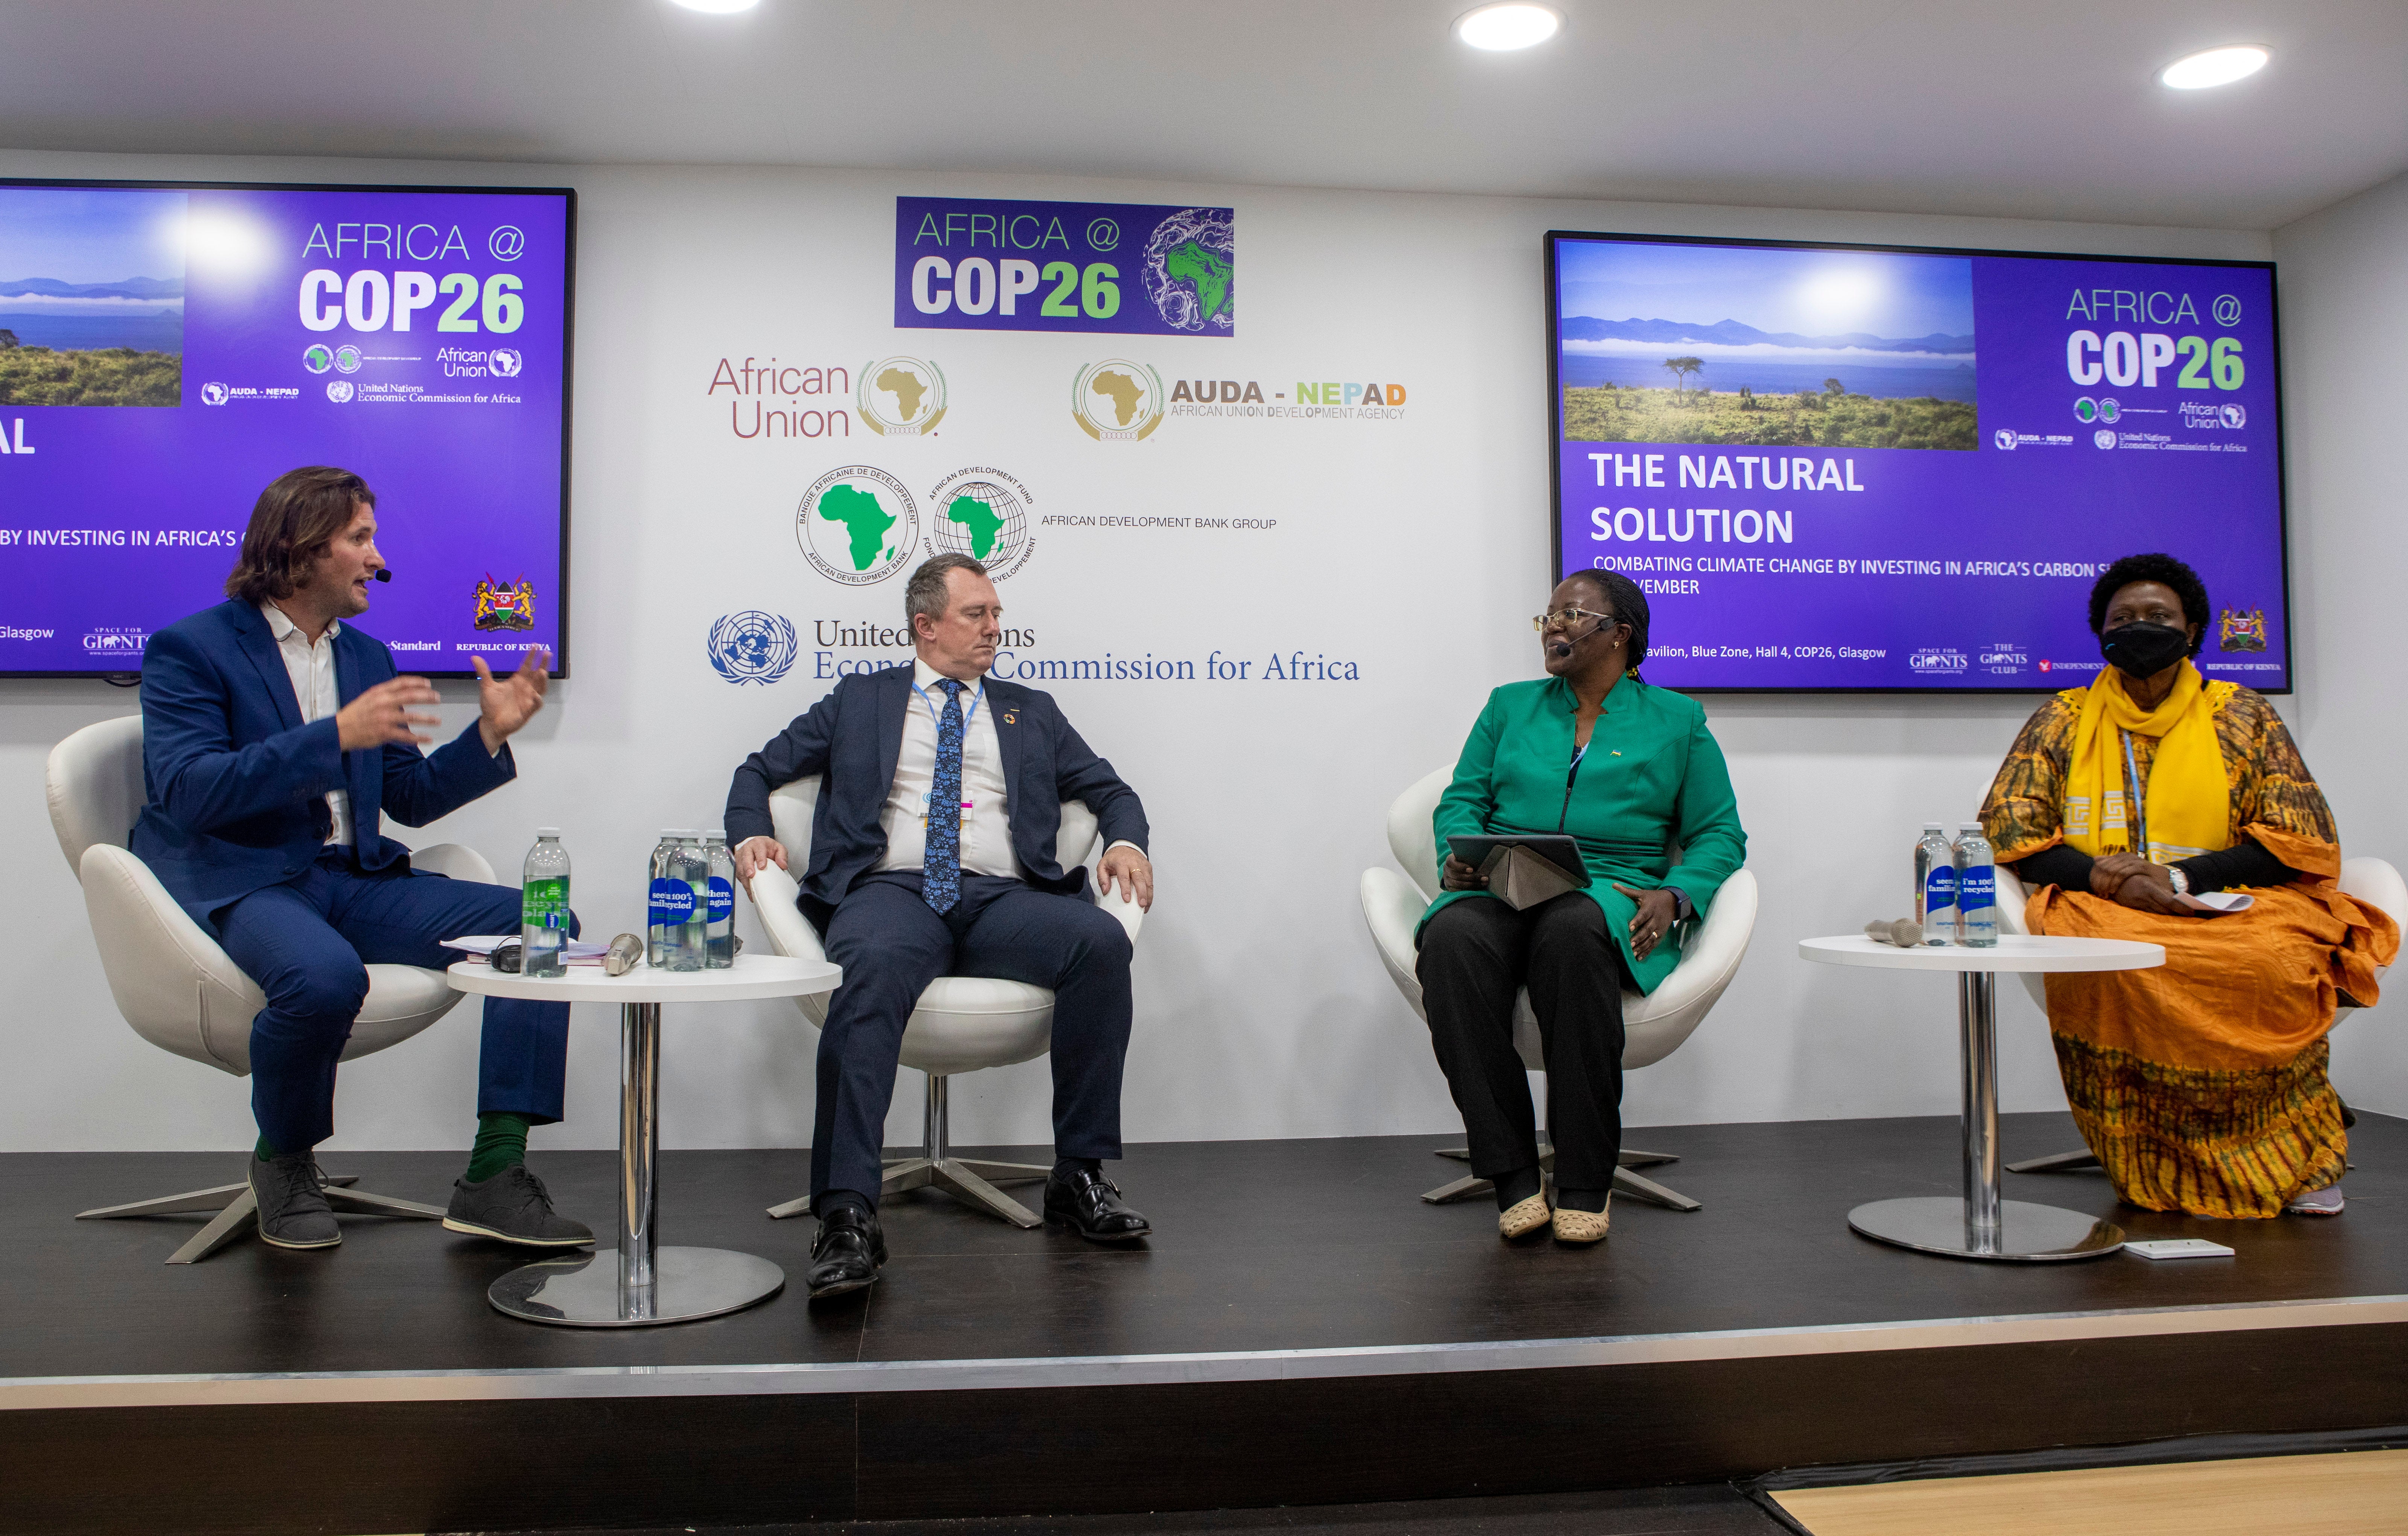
(714, 837)
(552, 832)
(668, 831)
(1968, 826)
(1931, 827)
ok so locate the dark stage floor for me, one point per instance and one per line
(1260, 1246)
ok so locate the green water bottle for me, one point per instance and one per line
(543, 907)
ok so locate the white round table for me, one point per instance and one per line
(1982, 1224)
(643, 1284)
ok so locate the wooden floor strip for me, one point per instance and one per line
(2359, 1493)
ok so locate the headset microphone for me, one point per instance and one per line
(384, 575)
(1561, 649)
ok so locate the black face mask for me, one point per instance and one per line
(2144, 649)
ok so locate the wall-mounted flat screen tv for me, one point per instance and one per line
(1857, 468)
(166, 350)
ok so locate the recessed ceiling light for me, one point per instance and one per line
(719, 7)
(2217, 66)
(1501, 28)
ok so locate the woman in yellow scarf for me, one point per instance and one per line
(2199, 1086)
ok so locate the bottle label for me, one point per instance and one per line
(672, 903)
(723, 900)
(1977, 888)
(1939, 888)
(544, 903)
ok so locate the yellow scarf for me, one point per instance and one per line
(2189, 806)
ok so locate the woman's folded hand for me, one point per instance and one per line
(2152, 891)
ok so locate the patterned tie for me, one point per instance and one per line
(941, 869)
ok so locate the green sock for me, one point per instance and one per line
(264, 1150)
(501, 1143)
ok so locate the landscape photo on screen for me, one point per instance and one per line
(1837, 468)
(417, 336)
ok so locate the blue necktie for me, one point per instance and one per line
(941, 869)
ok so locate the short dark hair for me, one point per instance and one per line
(1627, 603)
(2163, 570)
(297, 520)
(927, 591)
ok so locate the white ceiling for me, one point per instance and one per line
(2040, 109)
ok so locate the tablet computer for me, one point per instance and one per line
(1555, 848)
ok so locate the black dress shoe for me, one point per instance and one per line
(1085, 1199)
(515, 1207)
(846, 1254)
(292, 1198)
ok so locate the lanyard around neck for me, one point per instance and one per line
(972, 698)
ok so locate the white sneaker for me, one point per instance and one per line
(2321, 1203)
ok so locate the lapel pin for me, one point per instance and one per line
(1009, 718)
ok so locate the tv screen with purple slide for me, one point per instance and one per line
(168, 350)
(1859, 468)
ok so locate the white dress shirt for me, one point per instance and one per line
(986, 805)
(311, 667)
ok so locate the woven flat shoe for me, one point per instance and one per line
(1522, 1218)
(2322, 1202)
(1582, 1228)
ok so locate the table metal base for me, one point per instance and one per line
(583, 1291)
(2025, 1233)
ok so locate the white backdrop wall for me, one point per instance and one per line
(1412, 548)
(2344, 314)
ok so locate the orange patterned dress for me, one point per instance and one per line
(2200, 1085)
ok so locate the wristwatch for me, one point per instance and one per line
(2180, 879)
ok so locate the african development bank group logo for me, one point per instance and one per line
(984, 513)
(857, 525)
(1117, 400)
(752, 647)
(901, 396)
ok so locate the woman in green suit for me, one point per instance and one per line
(1629, 772)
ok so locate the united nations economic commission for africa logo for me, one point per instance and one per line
(857, 525)
(1117, 400)
(752, 647)
(984, 513)
(901, 396)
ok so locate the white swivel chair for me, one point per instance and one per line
(1653, 1024)
(179, 989)
(2372, 881)
(962, 1023)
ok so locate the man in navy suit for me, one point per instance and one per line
(275, 739)
(932, 853)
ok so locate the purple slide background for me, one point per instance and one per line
(463, 489)
(2038, 504)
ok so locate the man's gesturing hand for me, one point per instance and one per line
(384, 715)
(754, 854)
(1134, 871)
(505, 704)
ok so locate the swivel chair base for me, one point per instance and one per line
(965, 1179)
(238, 1212)
(1627, 1184)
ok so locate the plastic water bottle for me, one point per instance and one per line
(1977, 889)
(543, 907)
(659, 900)
(1935, 873)
(686, 898)
(720, 921)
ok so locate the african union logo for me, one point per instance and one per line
(213, 393)
(508, 244)
(2004, 438)
(901, 396)
(984, 513)
(1191, 270)
(2240, 631)
(317, 357)
(1117, 400)
(504, 361)
(504, 604)
(857, 525)
(752, 647)
(2233, 416)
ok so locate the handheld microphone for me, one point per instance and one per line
(384, 574)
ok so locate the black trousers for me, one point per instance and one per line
(1475, 955)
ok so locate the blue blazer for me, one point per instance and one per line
(853, 736)
(236, 783)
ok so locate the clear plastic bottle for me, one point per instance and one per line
(1923, 864)
(687, 895)
(543, 907)
(718, 953)
(659, 900)
(1935, 869)
(1977, 889)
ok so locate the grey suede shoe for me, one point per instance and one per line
(292, 1196)
(514, 1207)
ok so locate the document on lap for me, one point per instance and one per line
(2218, 903)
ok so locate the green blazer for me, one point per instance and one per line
(1654, 777)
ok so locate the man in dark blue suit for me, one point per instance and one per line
(275, 739)
(932, 853)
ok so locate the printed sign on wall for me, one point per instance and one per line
(966, 264)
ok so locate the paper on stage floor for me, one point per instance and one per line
(580, 951)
